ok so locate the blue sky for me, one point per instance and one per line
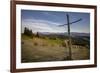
(48, 21)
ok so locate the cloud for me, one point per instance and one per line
(41, 26)
(49, 14)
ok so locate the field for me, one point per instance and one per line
(40, 49)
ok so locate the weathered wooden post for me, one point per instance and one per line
(69, 38)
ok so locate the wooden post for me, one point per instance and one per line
(69, 38)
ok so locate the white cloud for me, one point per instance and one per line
(42, 26)
(49, 14)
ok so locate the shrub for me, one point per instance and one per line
(35, 43)
(63, 44)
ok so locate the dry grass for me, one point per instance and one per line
(38, 50)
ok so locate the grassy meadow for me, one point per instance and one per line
(40, 49)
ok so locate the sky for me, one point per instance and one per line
(49, 21)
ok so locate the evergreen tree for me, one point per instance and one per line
(28, 32)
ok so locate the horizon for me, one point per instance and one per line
(57, 32)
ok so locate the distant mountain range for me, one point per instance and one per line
(65, 34)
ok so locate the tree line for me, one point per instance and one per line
(29, 33)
